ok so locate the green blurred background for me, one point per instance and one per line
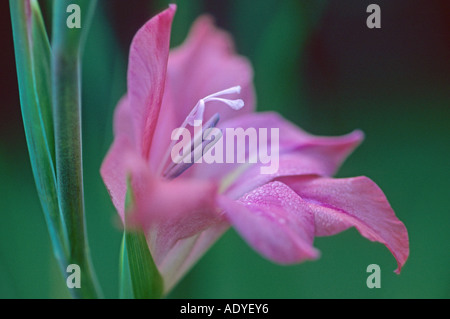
(316, 63)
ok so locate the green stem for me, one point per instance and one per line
(66, 85)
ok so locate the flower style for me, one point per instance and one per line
(184, 209)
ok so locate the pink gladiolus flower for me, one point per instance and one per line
(185, 209)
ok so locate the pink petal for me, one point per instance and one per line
(123, 121)
(114, 172)
(290, 164)
(299, 153)
(174, 214)
(341, 203)
(291, 136)
(167, 122)
(207, 63)
(275, 221)
(179, 216)
(170, 210)
(175, 210)
(186, 252)
(204, 64)
(147, 68)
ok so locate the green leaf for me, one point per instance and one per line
(58, 182)
(33, 56)
(140, 277)
(41, 62)
(146, 282)
(126, 287)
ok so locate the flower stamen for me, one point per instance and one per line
(200, 144)
(197, 114)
